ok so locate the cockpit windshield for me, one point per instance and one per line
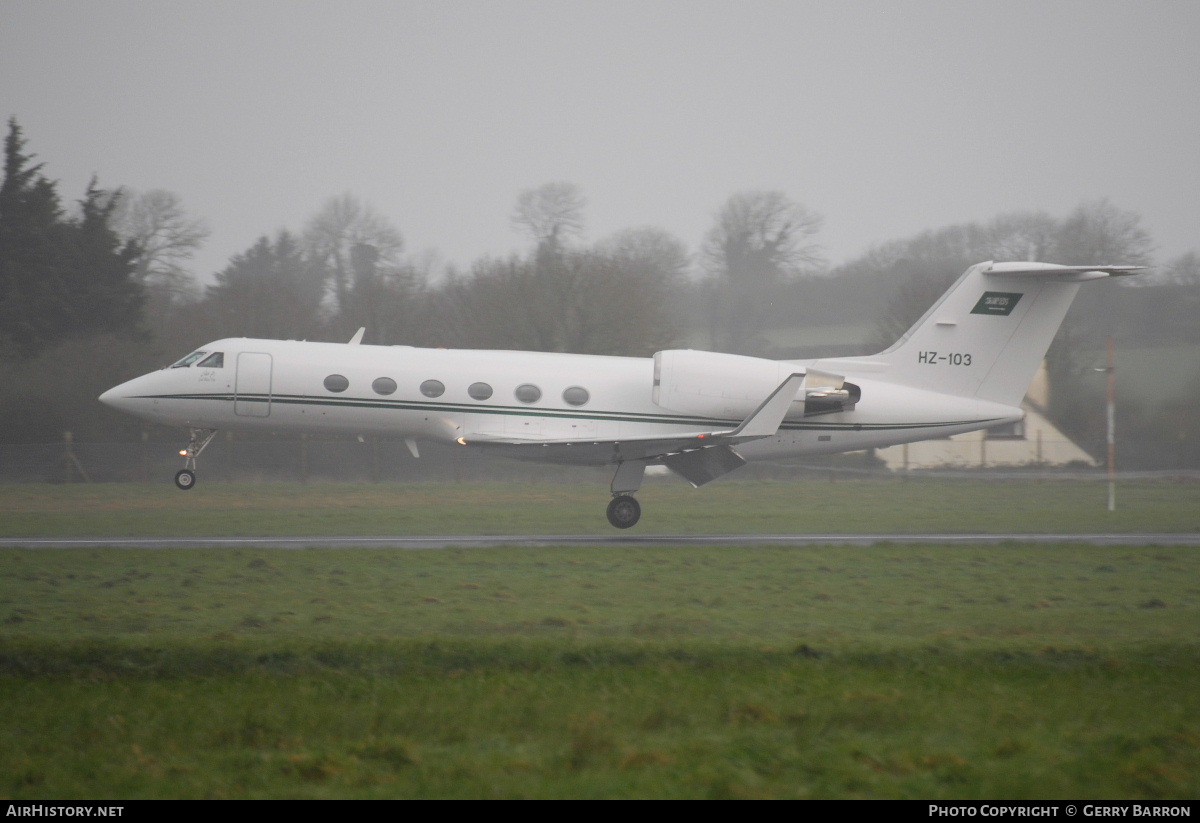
(214, 360)
(189, 360)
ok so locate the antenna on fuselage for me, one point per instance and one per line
(358, 336)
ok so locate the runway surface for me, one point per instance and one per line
(610, 539)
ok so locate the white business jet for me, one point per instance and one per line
(965, 365)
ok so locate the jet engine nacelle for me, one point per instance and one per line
(732, 386)
(715, 385)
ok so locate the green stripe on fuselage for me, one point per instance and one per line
(560, 414)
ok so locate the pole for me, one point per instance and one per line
(1112, 427)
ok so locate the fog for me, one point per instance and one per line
(576, 177)
(887, 118)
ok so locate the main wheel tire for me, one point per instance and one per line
(624, 511)
(185, 479)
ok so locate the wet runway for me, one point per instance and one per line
(607, 539)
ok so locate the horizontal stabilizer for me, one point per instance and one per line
(1056, 272)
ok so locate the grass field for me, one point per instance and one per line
(909, 671)
(669, 507)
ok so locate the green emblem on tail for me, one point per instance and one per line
(996, 303)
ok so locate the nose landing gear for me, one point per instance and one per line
(185, 478)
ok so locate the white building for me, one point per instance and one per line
(1035, 441)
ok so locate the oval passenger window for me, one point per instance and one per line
(528, 393)
(576, 395)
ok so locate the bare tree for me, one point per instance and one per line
(343, 224)
(761, 239)
(550, 214)
(168, 238)
(1099, 232)
(762, 236)
(1025, 235)
(1182, 271)
(618, 298)
(656, 254)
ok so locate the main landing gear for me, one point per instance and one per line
(185, 478)
(624, 511)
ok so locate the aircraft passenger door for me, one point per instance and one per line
(252, 387)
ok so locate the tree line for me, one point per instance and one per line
(92, 295)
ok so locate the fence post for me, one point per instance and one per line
(303, 458)
(69, 460)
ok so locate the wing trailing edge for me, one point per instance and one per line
(763, 422)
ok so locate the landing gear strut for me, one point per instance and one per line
(624, 511)
(185, 478)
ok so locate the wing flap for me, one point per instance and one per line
(701, 466)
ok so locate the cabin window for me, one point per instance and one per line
(336, 383)
(576, 395)
(187, 361)
(479, 391)
(433, 388)
(384, 385)
(528, 393)
(216, 360)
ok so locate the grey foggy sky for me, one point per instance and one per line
(886, 117)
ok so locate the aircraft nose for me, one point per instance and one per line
(118, 397)
(138, 396)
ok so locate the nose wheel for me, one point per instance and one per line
(185, 478)
(624, 511)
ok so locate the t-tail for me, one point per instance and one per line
(988, 334)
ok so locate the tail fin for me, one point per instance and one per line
(988, 334)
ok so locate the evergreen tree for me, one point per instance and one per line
(60, 277)
(272, 290)
(32, 249)
(104, 294)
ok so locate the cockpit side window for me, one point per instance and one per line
(216, 360)
(189, 360)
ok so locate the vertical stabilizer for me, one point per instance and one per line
(987, 335)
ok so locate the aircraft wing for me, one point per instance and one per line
(763, 422)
